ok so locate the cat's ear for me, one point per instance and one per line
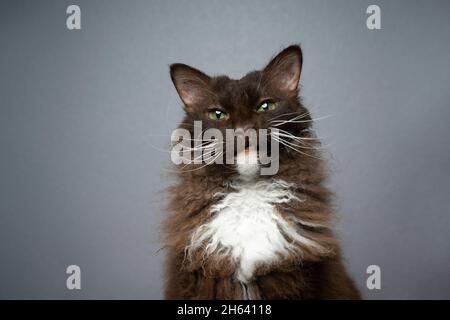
(283, 72)
(192, 85)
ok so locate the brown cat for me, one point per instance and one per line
(233, 233)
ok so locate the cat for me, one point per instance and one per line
(232, 233)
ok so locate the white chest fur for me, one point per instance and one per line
(247, 228)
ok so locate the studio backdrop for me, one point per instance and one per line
(87, 108)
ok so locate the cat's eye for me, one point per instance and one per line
(266, 106)
(218, 115)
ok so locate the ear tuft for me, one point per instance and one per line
(191, 84)
(283, 72)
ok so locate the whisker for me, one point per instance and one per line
(215, 158)
(302, 144)
(281, 122)
(299, 139)
(292, 135)
(287, 114)
(287, 144)
(202, 147)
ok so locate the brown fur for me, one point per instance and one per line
(309, 273)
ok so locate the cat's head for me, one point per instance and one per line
(264, 99)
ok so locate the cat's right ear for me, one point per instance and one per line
(192, 85)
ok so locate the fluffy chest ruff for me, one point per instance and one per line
(246, 228)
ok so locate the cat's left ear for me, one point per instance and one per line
(283, 72)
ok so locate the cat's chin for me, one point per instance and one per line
(247, 164)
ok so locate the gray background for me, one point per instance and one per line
(84, 114)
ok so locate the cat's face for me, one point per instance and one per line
(262, 99)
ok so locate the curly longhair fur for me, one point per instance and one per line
(233, 235)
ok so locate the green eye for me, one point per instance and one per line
(218, 115)
(266, 106)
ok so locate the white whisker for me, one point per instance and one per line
(281, 122)
(215, 158)
(289, 145)
(287, 114)
(296, 145)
